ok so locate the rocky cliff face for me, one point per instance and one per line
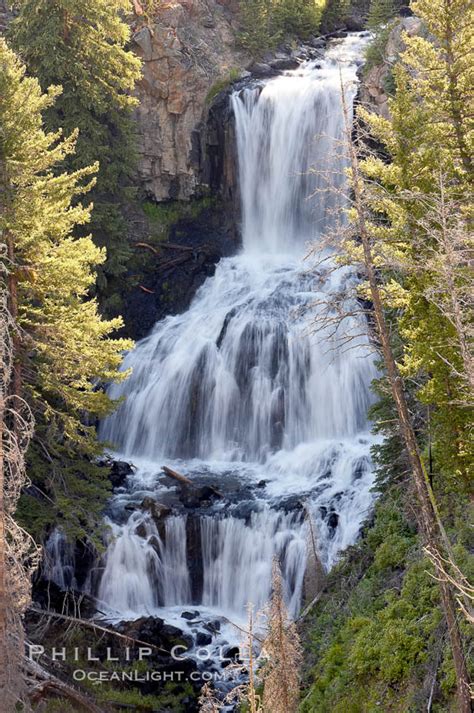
(189, 46)
(375, 84)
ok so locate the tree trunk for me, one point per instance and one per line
(4, 384)
(3, 592)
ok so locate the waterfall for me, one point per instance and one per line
(144, 571)
(237, 384)
(237, 559)
(58, 561)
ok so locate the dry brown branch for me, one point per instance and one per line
(19, 555)
(282, 655)
(448, 571)
(95, 627)
(41, 684)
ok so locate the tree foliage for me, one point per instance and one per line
(420, 202)
(266, 22)
(81, 45)
(64, 349)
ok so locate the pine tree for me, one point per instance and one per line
(63, 349)
(429, 139)
(265, 22)
(371, 256)
(335, 13)
(381, 11)
(297, 17)
(80, 45)
(258, 31)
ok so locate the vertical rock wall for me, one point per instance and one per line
(189, 46)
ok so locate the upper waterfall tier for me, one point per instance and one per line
(238, 376)
(289, 145)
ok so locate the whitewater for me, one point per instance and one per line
(239, 392)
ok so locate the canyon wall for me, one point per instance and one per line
(189, 49)
(377, 81)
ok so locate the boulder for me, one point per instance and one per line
(154, 630)
(194, 496)
(203, 639)
(280, 65)
(317, 42)
(190, 615)
(333, 520)
(213, 626)
(261, 69)
(157, 510)
(119, 472)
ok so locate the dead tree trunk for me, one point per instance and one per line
(3, 593)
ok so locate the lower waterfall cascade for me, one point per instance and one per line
(238, 395)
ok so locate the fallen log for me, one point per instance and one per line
(191, 493)
(172, 246)
(176, 476)
(42, 685)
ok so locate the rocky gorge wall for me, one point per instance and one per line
(375, 88)
(187, 48)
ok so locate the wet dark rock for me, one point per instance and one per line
(195, 497)
(213, 626)
(361, 468)
(317, 42)
(203, 639)
(119, 472)
(140, 530)
(212, 233)
(262, 483)
(50, 597)
(300, 55)
(244, 510)
(280, 65)
(157, 510)
(153, 630)
(147, 629)
(194, 556)
(190, 615)
(155, 543)
(85, 559)
(261, 69)
(333, 520)
(232, 653)
(225, 325)
(293, 502)
(175, 636)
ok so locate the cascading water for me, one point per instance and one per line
(236, 392)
